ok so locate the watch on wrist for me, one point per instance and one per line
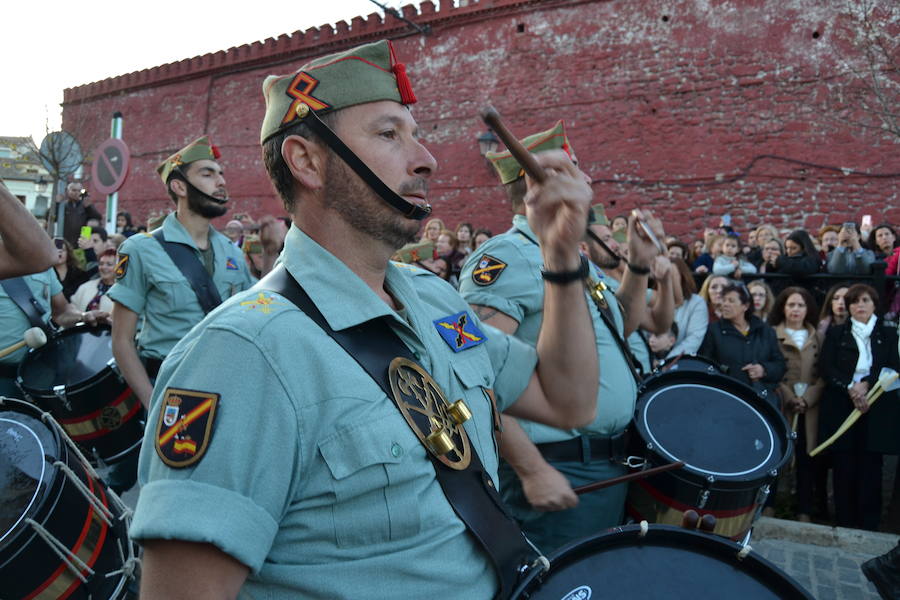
(564, 277)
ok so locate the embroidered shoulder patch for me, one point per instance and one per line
(488, 270)
(231, 265)
(185, 426)
(459, 331)
(121, 266)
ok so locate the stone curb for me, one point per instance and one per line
(849, 540)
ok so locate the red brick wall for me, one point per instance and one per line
(688, 107)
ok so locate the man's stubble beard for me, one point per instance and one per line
(203, 206)
(602, 259)
(363, 209)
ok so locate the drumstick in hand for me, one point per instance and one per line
(33, 338)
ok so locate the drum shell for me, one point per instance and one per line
(733, 500)
(100, 413)
(668, 562)
(30, 568)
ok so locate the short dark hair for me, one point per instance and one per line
(856, 291)
(101, 232)
(776, 315)
(743, 295)
(279, 173)
(515, 193)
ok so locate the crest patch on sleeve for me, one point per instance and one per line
(185, 425)
(121, 266)
(488, 270)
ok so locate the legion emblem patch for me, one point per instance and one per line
(121, 266)
(185, 426)
(231, 265)
(488, 270)
(459, 331)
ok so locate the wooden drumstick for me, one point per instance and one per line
(690, 519)
(707, 523)
(33, 338)
(599, 485)
(491, 118)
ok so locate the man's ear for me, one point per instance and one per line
(178, 187)
(306, 160)
(583, 248)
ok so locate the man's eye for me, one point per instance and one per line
(389, 134)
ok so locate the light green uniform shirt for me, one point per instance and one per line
(312, 477)
(154, 287)
(14, 323)
(636, 341)
(518, 291)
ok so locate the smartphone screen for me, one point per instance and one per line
(86, 232)
(850, 225)
(867, 222)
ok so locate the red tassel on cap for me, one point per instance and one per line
(407, 96)
(215, 152)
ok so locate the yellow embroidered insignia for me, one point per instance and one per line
(185, 424)
(488, 270)
(262, 303)
(121, 266)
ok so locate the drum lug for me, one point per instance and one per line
(761, 496)
(703, 498)
(114, 367)
(60, 392)
(635, 462)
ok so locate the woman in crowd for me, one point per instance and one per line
(124, 224)
(713, 246)
(745, 344)
(711, 292)
(432, 230)
(481, 236)
(464, 235)
(678, 250)
(763, 298)
(691, 316)
(882, 241)
(800, 389)
(91, 295)
(764, 233)
(834, 311)
(801, 257)
(772, 250)
(68, 271)
(448, 249)
(730, 262)
(852, 358)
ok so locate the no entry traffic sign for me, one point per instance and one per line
(110, 166)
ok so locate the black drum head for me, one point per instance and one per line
(716, 425)
(69, 358)
(669, 562)
(25, 474)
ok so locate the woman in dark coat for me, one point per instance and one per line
(744, 344)
(851, 360)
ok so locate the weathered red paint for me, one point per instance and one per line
(671, 105)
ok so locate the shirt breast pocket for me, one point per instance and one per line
(177, 293)
(374, 474)
(473, 377)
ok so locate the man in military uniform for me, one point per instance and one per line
(294, 474)
(150, 283)
(502, 282)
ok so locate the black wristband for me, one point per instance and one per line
(638, 270)
(563, 277)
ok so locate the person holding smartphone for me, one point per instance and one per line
(849, 257)
(78, 211)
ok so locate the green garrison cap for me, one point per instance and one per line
(597, 216)
(415, 252)
(509, 169)
(199, 149)
(367, 73)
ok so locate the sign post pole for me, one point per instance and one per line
(112, 200)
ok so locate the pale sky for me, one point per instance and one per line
(51, 45)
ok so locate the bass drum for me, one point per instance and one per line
(63, 534)
(75, 378)
(689, 362)
(666, 562)
(732, 441)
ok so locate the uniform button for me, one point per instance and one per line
(396, 450)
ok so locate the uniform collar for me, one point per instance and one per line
(175, 232)
(341, 296)
(520, 222)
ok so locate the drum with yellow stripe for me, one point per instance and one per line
(63, 534)
(75, 378)
(733, 443)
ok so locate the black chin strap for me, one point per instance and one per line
(190, 185)
(409, 210)
(603, 245)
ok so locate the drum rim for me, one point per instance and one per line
(37, 490)
(671, 536)
(774, 419)
(661, 449)
(75, 387)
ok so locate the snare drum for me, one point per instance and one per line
(62, 533)
(667, 562)
(732, 441)
(75, 378)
